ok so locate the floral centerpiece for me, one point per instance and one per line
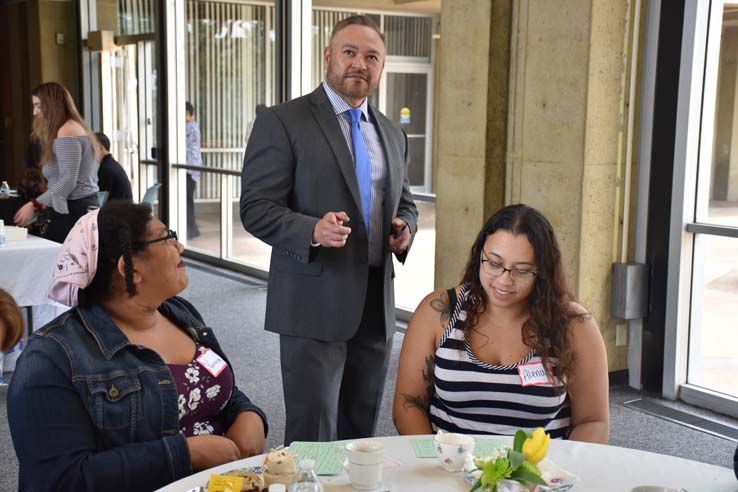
(512, 469)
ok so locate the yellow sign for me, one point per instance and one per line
(405, 115)
(225, 483)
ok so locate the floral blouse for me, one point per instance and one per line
(201, 396)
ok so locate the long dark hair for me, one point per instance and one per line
(121, 228)
(549, 308)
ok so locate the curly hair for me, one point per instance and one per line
(11, 321)
(549, 308)
(31, 184)
(121, 233)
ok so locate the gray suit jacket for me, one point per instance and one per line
(298, 167)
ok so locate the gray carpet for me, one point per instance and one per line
(236, 311)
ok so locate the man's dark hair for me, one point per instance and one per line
(357, 20)
(190, 108)
(104, 140)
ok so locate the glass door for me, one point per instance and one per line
(131, 120)
(712, 227)
(405, 97)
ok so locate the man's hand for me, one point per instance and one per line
(399, 240)
(247, 431)
(330, 232)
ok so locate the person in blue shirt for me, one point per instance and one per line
(128, 390)
(194, 158)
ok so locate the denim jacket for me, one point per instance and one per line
(89, 411)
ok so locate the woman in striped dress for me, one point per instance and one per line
(70, 160)
(507, 348)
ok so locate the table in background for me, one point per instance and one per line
(600, 468)
(26, 269)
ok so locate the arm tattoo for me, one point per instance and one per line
(422, 402)
(443, 306)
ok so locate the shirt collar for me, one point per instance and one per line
(111, 339)
(341, 106)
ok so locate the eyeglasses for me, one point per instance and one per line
(170, 235)
(496, 270)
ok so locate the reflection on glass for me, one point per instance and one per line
(723, 200)
(407, 96)
(246, 248)
(414, 279)
(229, 58)
(713, 358)
(208, 217)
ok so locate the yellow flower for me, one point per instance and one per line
(536, 446)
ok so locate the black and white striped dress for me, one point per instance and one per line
(474, 397)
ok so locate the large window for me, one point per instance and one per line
(713, 357)
(221, 58)
(229, 72)
(704, 352)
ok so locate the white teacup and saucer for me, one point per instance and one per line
(363, 465)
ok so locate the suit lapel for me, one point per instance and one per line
(326, 118)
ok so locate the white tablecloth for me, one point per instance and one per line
(26, 269)
(600, 468)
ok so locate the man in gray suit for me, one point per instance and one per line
(325, 183)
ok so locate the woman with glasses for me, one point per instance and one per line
(507, 348)
(129, 390)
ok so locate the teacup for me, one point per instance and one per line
(453, 449)
(363, 477)
(365, 452)
(363, 464)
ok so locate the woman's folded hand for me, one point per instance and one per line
(209, 451)
(247, 432)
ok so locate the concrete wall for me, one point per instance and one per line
(564, 133)
(59, 62)
(462, 110)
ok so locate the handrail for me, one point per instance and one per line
(208, 169)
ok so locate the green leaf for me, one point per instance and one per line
(516, 459)
(523, 474)
(494, 471)
(531, 467)
(477, 484)
(520, 437)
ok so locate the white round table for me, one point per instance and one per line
(600, 468)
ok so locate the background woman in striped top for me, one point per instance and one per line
(507, 348)
(70, 156)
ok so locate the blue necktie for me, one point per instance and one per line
(363, 165)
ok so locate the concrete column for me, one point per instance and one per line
(472, 114)
(563, 132)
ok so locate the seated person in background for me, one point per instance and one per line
(11, 323)
(129, 390)
(507, 348)
(111, 176)
(31, 184)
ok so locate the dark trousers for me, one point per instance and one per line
(192, 229)
(333, 390)
(60, 224)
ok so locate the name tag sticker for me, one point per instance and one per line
(533, 374)
(212, 362)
